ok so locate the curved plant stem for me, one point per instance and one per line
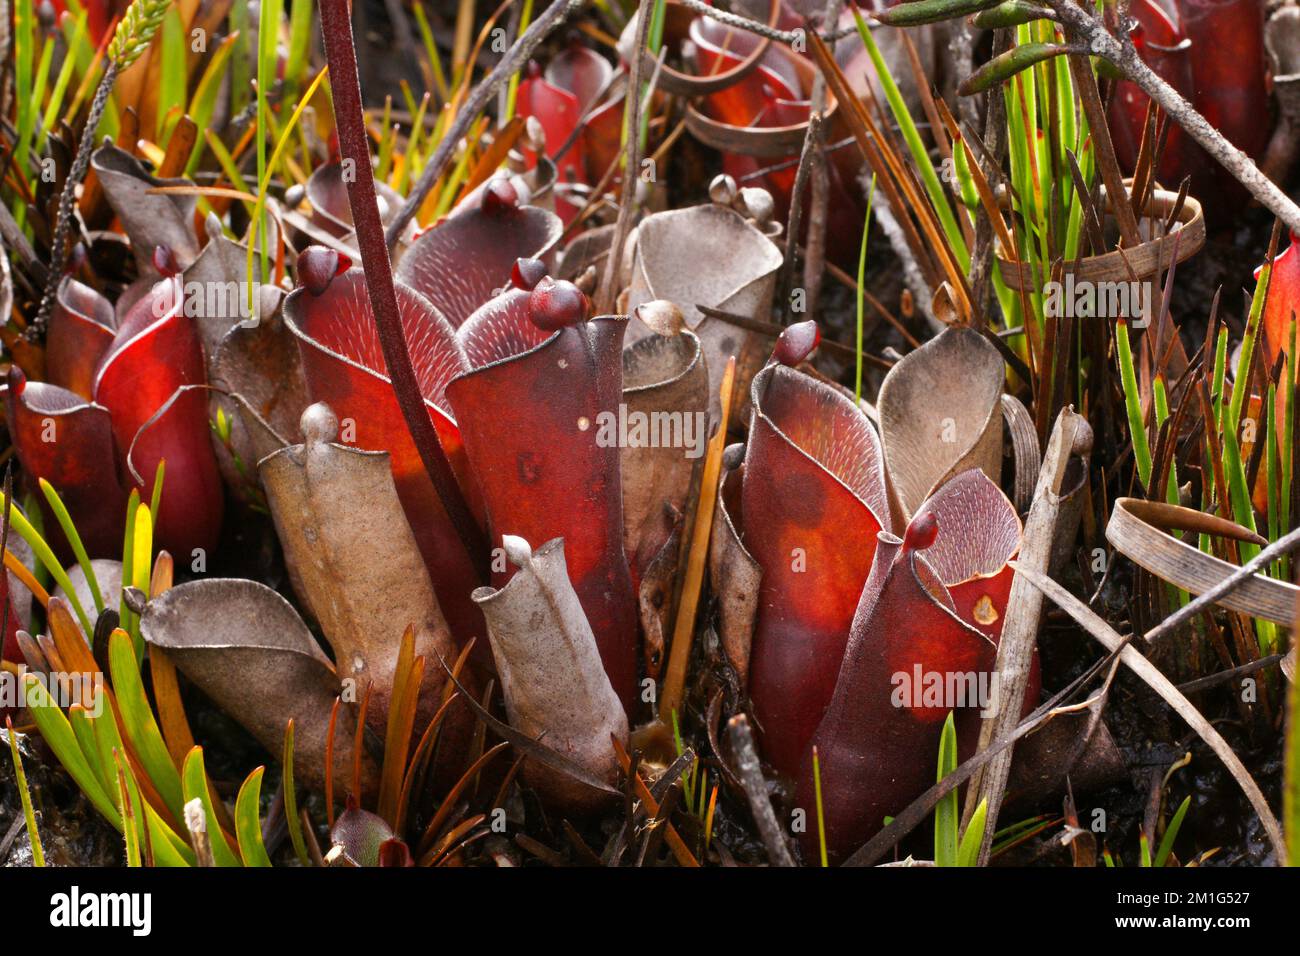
(336, 25)
(478, 100)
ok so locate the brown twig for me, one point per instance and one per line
(604, 301)
(1126, 59)
(751, 778)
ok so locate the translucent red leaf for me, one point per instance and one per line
(500, 329)
(61, 437)
(878, 744)
(979, 532)
(814, 500)
(145, 380)
(531, 423)
(461, 262)
(80, 332)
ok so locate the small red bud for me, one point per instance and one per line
(557, 303)
(921, 533)
(164, 260)
(526, 273)
(797, 343)
(317, 267)
(500, 197)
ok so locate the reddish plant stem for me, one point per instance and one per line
(336, 28)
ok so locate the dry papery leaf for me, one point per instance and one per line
(261, 367)
(354, 561)
(552, 679)
(940, 414)
(665, 399)
(150, 219)
(247, 649)
(1135, 532)
(108, 575)
(248, 352)
(733, 573)
(708, 255)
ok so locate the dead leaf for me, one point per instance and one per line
(940, 414)
(150, 219)
(708, 255)
(733, 573)
(664, 398)
(354, 561)
(247, 649)
(552, 678)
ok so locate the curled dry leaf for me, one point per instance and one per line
(940, 414)
(261, 368)
(665, 394)
(733, 573)
(740, 278)
(354, 561)
(247, 649)
(150, 219)
(814, 500)
(261, 364)
(1133, 531)
(552, 677)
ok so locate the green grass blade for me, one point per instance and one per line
(29, 814)
(18, 522)
(57, 732)
(861, 293)
(248, 826)
(173, 77)
(291, 800)
(945, 814)
(204, 102)
(1133, 404)
(1171, 833)
(141, 726)
(70, 61)
(969, 851)
(295, 67)
(920, 155)
(194, 779)
(74, 539)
